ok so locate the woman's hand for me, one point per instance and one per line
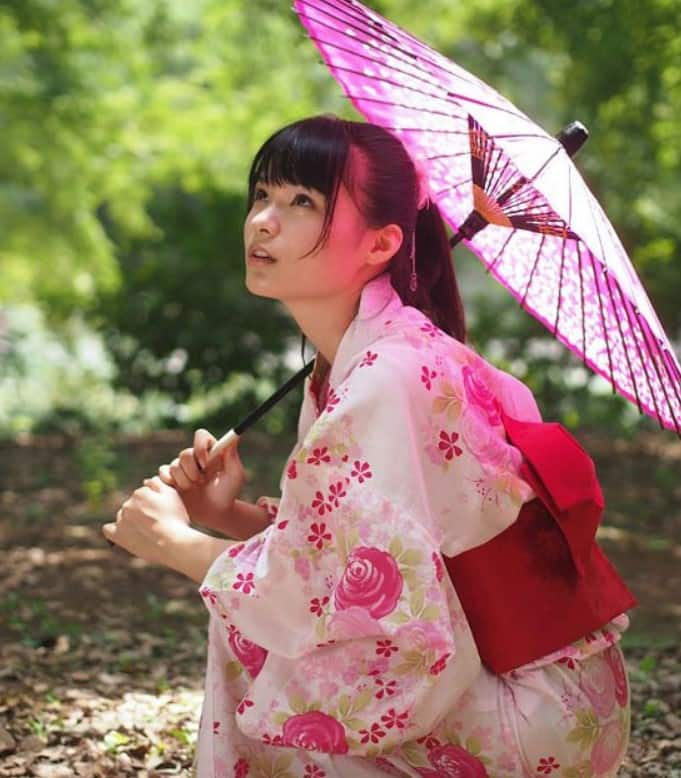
(150, 523)
(207, 492)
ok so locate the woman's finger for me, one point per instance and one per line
(154, 483)
(179, 476)
(189, 465)
(166, 476)
(203, 442)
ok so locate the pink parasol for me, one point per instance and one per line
(511, 192)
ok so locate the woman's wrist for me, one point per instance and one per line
(192, 552)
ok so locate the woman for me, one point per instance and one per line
(338, 645)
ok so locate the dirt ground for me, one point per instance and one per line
(102, 656)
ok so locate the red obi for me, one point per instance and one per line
(543, 582)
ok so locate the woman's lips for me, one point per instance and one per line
(253, 259)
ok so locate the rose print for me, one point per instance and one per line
(372, 580)
(353, 622)
(608, 748)
(251, 655)
(479, 396)
(455, 762)
(614, 659)
(315, 731)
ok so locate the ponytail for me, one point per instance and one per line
(437, 294)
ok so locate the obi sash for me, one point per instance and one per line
(543, 582)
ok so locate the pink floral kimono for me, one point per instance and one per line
(337, 643)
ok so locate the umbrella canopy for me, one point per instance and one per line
(511, 192)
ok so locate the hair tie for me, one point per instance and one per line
(422, 183)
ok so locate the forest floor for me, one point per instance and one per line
(102, 656)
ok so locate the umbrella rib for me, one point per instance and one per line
(581, 296)
(560, 285)
(626, 304)
(534, 267)
(451, 188)
(604, 328)
(644, 329)
(618, 319)
(371, 33)
(501, 251)
(548, 161)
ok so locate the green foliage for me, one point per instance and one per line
(128, 129)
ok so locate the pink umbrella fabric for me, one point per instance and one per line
(510, 191)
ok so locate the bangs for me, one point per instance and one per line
(311, 152)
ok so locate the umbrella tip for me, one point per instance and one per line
(572, 137)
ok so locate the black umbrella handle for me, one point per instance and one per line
(229, 438)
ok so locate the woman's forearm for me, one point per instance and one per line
(245, 520)
(193, 552)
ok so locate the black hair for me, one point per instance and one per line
(318, 152)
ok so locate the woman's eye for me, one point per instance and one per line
(258, 192)
(304, 197)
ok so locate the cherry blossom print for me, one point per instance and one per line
(607, 750)
(251, 655)
(387, 767)
(208, 594)
(439, 567)
(430, 329)
(393, 719)
(336, 493)
(455, 762)
(318, 535)
(361, 471)
(332, 401)
(386, 647)
(371, 579)
(291, 470)
(614, 659)
(598, 683)
(315, 731)
(427, 376)
(448, 400)
(447, 444)
(369, 359)
(234, 550)
(479, 396)
(241, 768)
(318, 456)
(277, 740)
(317, 605)
(244, 582)
(437, 667)
(547, 765)
(216, 727)
(385, 688)
(245, 703)
(372, 735)
(313, 771)
(320, 503)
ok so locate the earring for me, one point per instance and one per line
(413, 279)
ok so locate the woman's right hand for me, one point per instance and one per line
(208, 491)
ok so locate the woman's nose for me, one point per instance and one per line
(265, 220)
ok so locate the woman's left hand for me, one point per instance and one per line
(150, 522)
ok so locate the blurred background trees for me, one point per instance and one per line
(127, 132)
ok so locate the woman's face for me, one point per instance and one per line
(286, 222)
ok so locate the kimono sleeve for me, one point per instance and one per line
(367, 645)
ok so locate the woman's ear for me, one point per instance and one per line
(386, 242)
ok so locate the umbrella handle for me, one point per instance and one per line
(228, 440)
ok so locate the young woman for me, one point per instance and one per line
(338, 643)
